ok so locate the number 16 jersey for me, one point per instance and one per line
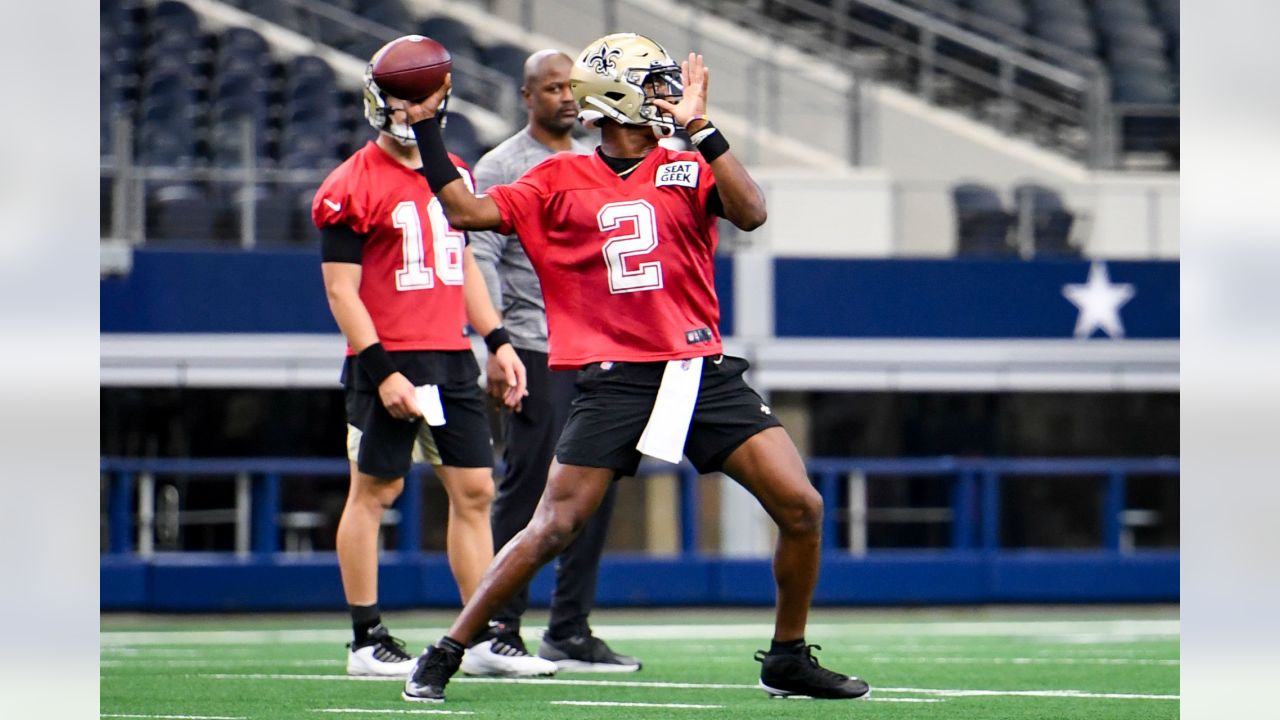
(412, 260)
(626, 264)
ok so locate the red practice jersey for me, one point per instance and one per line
(626, 264)
(411, 267)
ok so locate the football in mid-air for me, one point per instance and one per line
(411, 67)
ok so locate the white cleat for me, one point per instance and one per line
(381, 656)
(502, 654)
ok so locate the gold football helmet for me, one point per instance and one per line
(618, 76)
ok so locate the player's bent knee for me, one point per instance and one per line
(552, 533)
(383, 492)
(802, 514)
(477, 496)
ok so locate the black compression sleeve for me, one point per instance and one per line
(437, 168)
(339, 243)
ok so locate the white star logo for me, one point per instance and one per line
(1099, 301)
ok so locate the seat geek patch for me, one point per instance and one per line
(677, 173)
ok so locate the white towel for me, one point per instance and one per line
(428, 397)
(668, 426)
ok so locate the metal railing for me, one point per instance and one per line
(130, 181)
(974, 511)
(1019, 83)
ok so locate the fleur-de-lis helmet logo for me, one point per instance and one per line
(602, 60)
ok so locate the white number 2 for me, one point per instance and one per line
(448, 244)
(641, 241)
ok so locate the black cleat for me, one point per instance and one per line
(799, 674)
(585, 653)
(430, 675)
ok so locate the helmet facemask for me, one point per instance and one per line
(379, 112)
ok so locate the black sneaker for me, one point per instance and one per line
(585, 653)
(785, 675)
(431, 674)
(379, 655)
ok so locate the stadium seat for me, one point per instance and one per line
(1130, 59)
(1136, 35)
(453, 34)
(982, 221)
(304, 231)
(272, 210)
(1059, 10)
(1006, 12)
(507, 59)
(361, 133)
(242, 39)
(1143, 87)
(308, 68)
(462, 138)
(171, 18)
(1167, 15)
(179, 212)
(1110, 12)
(274, 11)
(391, 13)
(1050, 219)
(1071, 36)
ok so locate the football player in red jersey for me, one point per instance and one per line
(623, 242)
(402, 285)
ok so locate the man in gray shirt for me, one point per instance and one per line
(531, 432)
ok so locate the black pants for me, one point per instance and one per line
(531, 436)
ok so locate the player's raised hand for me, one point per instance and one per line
(428, 106)
(398, 396)
(695, 76)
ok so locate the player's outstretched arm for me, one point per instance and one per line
(743, 200)
(465, 210)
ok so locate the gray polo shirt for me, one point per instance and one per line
(513, 286)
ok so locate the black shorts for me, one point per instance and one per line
(613, 405)
(384, 447)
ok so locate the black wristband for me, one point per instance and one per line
(377, 363)
(437, 168)
(710, 142)
(496, 338)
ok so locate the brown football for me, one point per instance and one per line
(411, 67)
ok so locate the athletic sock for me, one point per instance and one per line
(363, 619)
(786, 647)
(453, 646)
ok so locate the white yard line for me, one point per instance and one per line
(1071, 631)
(942, 692)
(1020, 660)
(1028, 693)
(173, 717)
(606, 703)
(374, 711)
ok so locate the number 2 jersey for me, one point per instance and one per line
(626, 264)
(411, 264)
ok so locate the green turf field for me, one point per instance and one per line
(989, 663)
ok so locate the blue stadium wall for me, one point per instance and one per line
(173, 292)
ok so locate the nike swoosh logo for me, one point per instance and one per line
(333, 205)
